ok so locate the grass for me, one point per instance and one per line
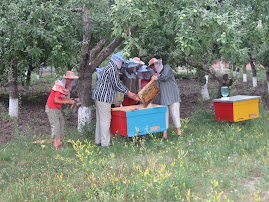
(212, 160)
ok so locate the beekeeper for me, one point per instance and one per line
(59, 95)
(169, 92)
(130, 80)
(104, 95)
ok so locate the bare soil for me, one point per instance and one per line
(33, 119)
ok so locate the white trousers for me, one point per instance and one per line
(174, 111)
(103, 120)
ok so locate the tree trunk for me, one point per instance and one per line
(207, 68)
(85, 76)
(28, 79)
(245, 78)
(234, 71)
(204, 91)
(267, 77)
(254, 74)
(237, 72)
(13, 90)
(219, 89)
(90, 59)
(221, 65)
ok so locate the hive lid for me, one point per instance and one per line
(135, 107)
(237, 98)
(149, 93)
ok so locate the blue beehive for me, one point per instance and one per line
(135, 120)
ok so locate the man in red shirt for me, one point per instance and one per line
(59, 95)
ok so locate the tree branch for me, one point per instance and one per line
(205, 67)
(191, 63)
(108, 50)
(99, 46)
(105, 53)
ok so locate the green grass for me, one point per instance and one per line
(212, 160)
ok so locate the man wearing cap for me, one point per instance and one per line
(59, 95)
(129, 79)
(104, 95)
(169, 92)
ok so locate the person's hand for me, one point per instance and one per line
(72, 102)
(154, 77)
(77, 99)
(131, 95)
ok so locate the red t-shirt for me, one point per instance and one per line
(50, 101)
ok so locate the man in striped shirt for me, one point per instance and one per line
(169, 92)
(104, 95)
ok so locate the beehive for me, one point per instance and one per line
(237, 108)
(137, 120)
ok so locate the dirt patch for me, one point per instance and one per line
(33, 119)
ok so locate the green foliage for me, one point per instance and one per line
(207, 31)
(36, 33)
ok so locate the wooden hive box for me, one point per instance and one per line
(137, 120)
(149, 93)
(237, 108)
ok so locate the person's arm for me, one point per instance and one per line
(166, 74)
(116, 82)
(66, 100)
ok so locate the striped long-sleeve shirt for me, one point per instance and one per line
(108, 84)
(168, 86)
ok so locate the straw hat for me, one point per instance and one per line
(70, 75)
(153, 60)
(138, 59)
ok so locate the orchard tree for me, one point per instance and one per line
(263, 48)
(107, 25)
(34, 33)
(207, 31)
(252, 38)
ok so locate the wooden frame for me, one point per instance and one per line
(149, 93)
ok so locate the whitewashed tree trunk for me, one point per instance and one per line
(13, 107)
(204, 91)
(234, 74)
(221, 65)
(235, 71)
(13, 90)
(254, 74)
(84, 118)
(245, 78)
(37, 76)
(255, 81)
